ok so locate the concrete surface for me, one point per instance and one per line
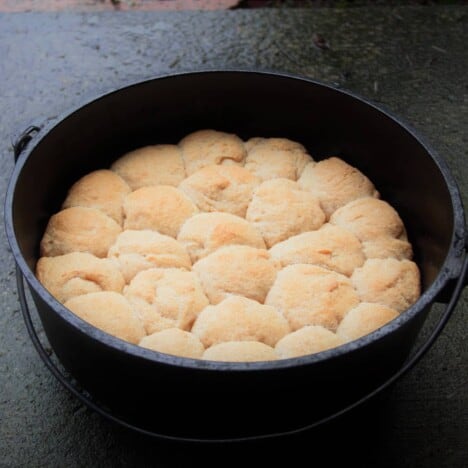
(412, 60)
(15, 6)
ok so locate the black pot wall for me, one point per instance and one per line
(158, 392)
(207, 403)
(162, 111)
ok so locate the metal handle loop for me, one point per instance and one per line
(22, 141)
(59, 375)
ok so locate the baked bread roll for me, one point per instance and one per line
(236, 269)
(385, 247)
(221, 188)
(335, 183)
(391, 282)
(103, 190)
(166, 298)
(271, 158)
(251, 142)
(204, 233)
(77, 273)
(329, 247)
(369, 218)
(160, 208)
(364, 319)
(206, 147)
(174, 341)
(239, 319)
(312, 295)
(110, 312)
(151, 165)
(134, 251)
(307, 340)
(79, 229)
(178, 236)
(377, 225)
(240, 351)
(280, 209)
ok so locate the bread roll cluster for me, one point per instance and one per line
(229, 250)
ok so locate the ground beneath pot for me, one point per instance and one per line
(171, 5)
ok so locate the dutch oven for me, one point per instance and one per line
(181, 398)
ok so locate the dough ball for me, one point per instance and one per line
(239, 319)
(174, 341)
(307, 340)
(207, 147)
(385, 247)
(166, 298)
(151, 165)
(312, 295)
(391, 282)
(135, 251)
(364, 319)
(236, 269)
(221, 188)
(270, 158)
(103, 190)
(160, 208)
(335, 183)
(240, 351)
(79, 229)
(110, 312)
(369, 219)
(204, 233)
(77, 273)
(251, 142)
(280, 209)
(329, 247)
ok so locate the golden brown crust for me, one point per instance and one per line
(237, 318)
(77, 273)
(166, 298)
(391, 282)
(160, 208)
(271, 158)
(236, 269)
(110, 312)
(204, 233)
(385, 247)
(174, 341)
(280, 209)
(135, 251)
(79, 229)
(228, 189)
(103, 190)
(307, 340)
(311, 295)
(240, 351)
(369, 218)
(151, 165)
(329, 247)
(205, 147)
(364, 319)
(251, 142)
(335, 183)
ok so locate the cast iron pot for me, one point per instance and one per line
(190, 399)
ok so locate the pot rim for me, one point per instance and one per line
(450, 268)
